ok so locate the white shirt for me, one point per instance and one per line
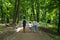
(34, 23)
(30, 25)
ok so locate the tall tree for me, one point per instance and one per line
(16, 11)
(2, 14)
(59, 17)
(32, 6)
(7, 18)
(37, 9)
(15, 14)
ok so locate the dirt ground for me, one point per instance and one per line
(39, 35)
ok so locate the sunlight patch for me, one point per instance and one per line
(18, 29)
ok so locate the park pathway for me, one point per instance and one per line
(39, 35)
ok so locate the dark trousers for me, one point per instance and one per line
(24, 28)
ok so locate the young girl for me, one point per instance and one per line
(30, 26)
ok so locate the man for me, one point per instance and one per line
(35, 25)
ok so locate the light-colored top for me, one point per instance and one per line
(34, 23)
(30, 24)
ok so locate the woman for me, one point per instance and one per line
(35, 25)
(24, 23)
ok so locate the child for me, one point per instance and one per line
(30, 26)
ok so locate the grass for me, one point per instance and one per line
(46, 25)
(2, 26)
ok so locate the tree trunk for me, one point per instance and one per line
(31, 17)
(59, 20)
(32, 6)
(2, 15)
(15, 12)
(18, 10)
(37, 9)
(7, 20)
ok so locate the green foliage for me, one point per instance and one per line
(48, 9)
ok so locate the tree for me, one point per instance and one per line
(32, 6)
(59, 18)
(16, 11)
(15, 14)
(2, 14)
(37, 9)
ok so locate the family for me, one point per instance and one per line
(29, 25)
